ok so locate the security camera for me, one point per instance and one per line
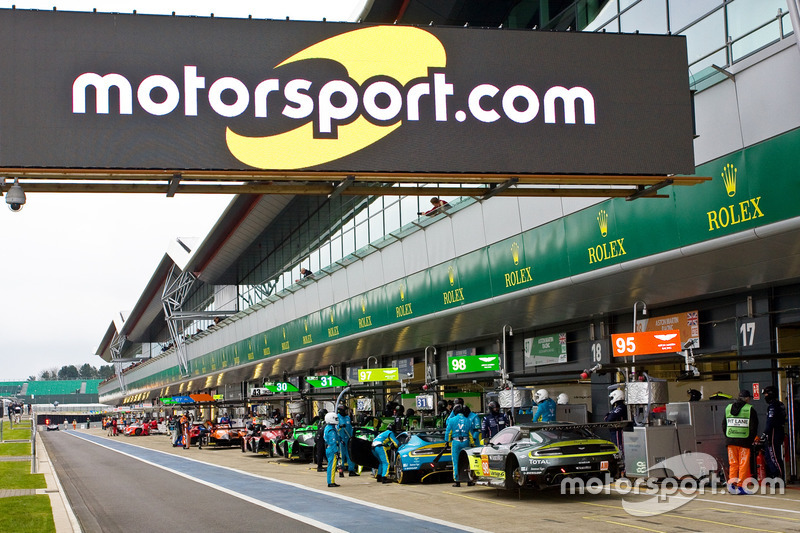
(15, 197)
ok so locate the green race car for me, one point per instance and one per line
(542, 455)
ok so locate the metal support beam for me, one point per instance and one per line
(648, 191)
(339, 189)
(724, 72)
(117, 343)
(497, 189)
(176, 290)
(173, 185)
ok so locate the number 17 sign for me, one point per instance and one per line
(646, 342)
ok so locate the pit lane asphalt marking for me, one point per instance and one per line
(298, 517)
(757, 514)
(477, 499)
(684, 517)
(622, 524)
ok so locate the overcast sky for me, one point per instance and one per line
(70, 262)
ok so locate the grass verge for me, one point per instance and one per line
(17, 475)
(15, 448)
(27, 514)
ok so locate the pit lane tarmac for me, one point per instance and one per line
(280, 489)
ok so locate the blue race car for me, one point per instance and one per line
(422, 454)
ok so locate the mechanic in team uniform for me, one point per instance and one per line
(331, 447)
(616, 414)
(345, 434)
(319, 441)
(773, 435)
(384, 442)
(545, 407)
(458, 436)
(493, 422)
(474, 425)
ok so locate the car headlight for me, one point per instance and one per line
(547, 452)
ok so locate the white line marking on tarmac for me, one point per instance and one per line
(289, 483)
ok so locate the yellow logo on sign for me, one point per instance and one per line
(398, 52)
(602, 221)
(729, 179)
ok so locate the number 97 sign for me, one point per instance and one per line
(646, 343)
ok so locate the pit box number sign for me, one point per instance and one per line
(281, 387)
(646, 342)
(473, 363)
(323, 382)
(379, 374)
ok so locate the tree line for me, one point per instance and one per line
(86, 371)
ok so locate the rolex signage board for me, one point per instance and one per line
(114, 91)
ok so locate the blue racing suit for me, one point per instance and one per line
(616, 414)
(331, 448)
(380, 448)
(345, 431)
(459, 435)
(773, 448)
(493, 423)
(545, 411)
(474, 428)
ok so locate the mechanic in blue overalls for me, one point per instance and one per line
(474, 424)
(380, 448)
(458, 436)
(345, 434)
(331, 447)
(545, 407)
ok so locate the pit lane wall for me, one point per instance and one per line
(751, 188)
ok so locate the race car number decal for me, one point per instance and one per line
(603, 465)
(485, 465)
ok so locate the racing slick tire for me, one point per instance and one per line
(514, 478)
(137, 431)
(404, 477)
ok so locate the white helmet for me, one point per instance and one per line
(563, 399)
(331, 419)
(617, 396)
(540, 395)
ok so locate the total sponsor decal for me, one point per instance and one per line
(385, 86)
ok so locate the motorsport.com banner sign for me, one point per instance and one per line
(110, 91)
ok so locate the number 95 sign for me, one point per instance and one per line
(646, 342)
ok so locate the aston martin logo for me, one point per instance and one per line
(666, 337)
(729, 173)
(602, 221)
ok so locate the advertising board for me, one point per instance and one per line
(114, 91)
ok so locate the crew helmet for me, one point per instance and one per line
(331, 419)
(458, 409)
(493, 407)
(563, 399)
(541, 395)
(342, 409)
(617, 395)
(770, 393)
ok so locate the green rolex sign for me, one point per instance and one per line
(322, 382)
(458, 364)
(379, 374)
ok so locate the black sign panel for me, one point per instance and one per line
(90, 90)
